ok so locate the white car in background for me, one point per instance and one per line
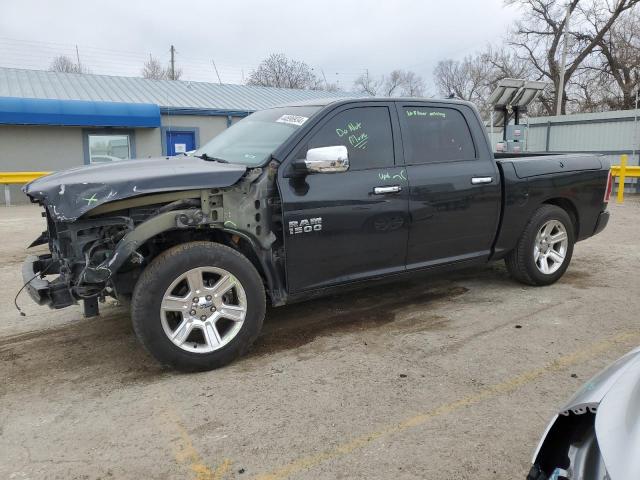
(105, 159)
(596, 436)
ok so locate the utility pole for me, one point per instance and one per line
(635, 135)
(563, 62)
(173, 63)
(635, 128)
(326, 85)
(78, 58)
(216, 69)
(367, 84)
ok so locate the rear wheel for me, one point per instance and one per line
(544, 250)
(198, 306)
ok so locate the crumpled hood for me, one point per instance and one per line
(69, 194)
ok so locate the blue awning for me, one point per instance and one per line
(79, 113)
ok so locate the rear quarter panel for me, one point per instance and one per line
(583, 190)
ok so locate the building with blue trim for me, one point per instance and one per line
(51, 121)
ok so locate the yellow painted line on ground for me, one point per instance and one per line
(508, 386)
(186, 453)
(222, 469)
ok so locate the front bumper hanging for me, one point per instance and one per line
(55, 294)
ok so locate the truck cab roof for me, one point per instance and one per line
(324, 102)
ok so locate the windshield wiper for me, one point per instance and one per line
(204, 156)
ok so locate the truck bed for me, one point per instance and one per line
(576, 182)
(532, 166)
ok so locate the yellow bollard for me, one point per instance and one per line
(621, 175)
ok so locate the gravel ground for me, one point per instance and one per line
(452, 377)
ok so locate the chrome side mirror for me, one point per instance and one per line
(327, 159)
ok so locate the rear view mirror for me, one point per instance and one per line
(327, 159)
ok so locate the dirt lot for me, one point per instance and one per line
(448, 378)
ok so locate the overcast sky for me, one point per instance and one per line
(342, 38)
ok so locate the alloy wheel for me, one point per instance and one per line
(203, 309)
(550, 247)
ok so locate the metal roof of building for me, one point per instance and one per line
(587, 117)
(165, 93)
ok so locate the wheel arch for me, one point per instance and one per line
(239, 241)
(568, 206)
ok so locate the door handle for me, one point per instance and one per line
(481, 180)
(383, 190)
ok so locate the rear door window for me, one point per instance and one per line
(432, 135)
(365, 131)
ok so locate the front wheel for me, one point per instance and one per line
(544, 249)
(198, 306)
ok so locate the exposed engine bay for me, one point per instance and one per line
(103, 252)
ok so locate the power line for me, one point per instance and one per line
(35, 54)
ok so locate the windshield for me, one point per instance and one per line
(253, 139)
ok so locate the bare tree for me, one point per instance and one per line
(476, 76)
(153, 69)
(330, 87)
(392, 83)
(412, 85)
(64, 64)
(620, 60)
(366, 84)
(505, 63)
(466, 79)
(472, 78)
(591, 90)
(539, 35)
(279, 71)
(396, 83)
(174, 74)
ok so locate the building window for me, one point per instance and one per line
(109, 148)
(108, 145)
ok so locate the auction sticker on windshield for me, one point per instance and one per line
(292, 119)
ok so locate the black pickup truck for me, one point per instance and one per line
(297, 201)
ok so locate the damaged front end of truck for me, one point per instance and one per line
(102, 235)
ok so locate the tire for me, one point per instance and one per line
(198, 306)
(523, 262)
